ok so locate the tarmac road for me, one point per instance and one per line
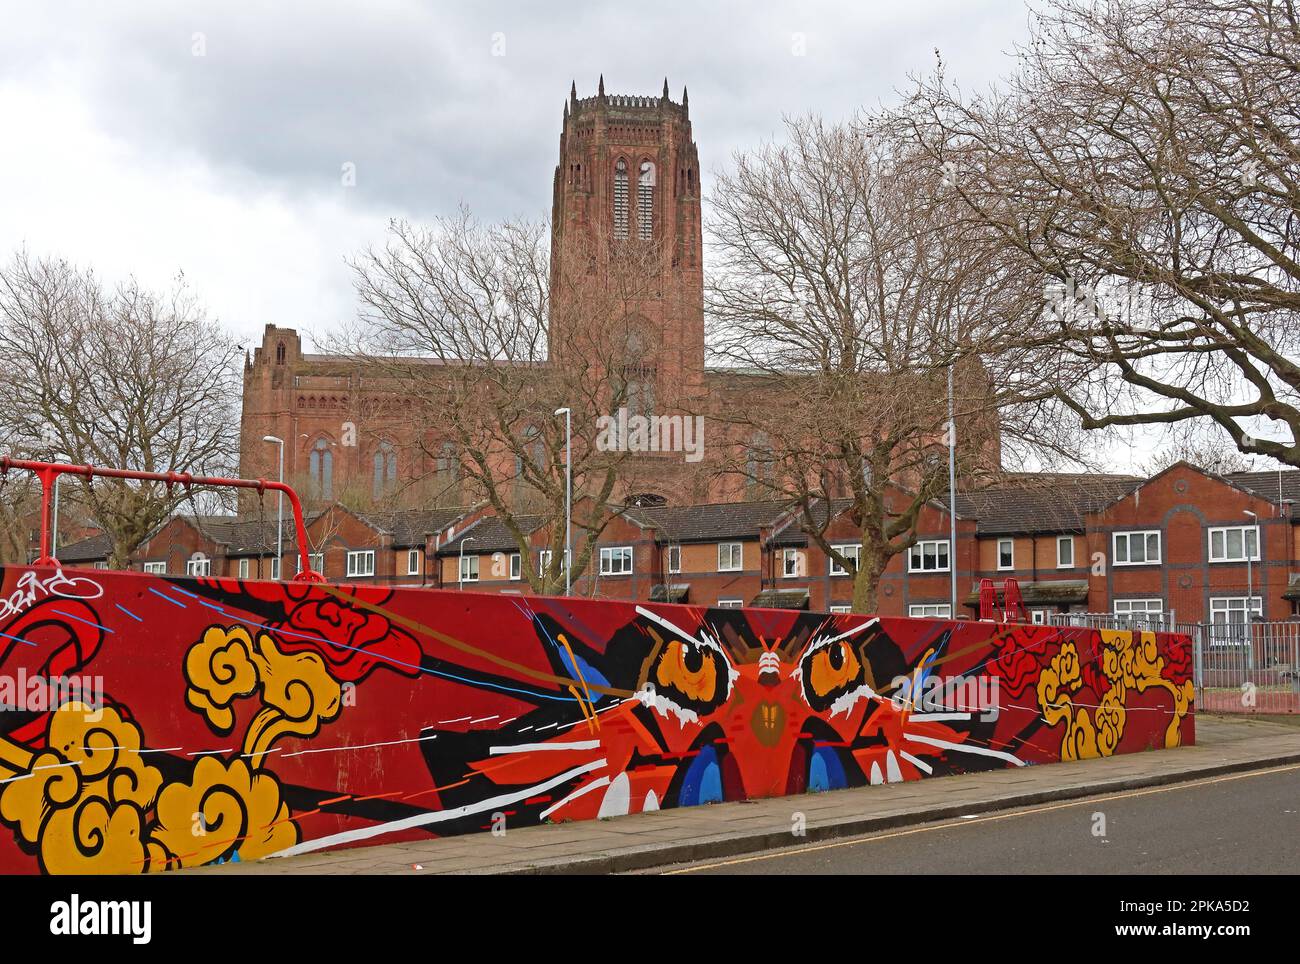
(1244, 823)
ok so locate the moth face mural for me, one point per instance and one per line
(239, 720)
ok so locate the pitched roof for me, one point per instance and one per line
(1274, 486)
(490, 534)
(1045, 502)
(709, 523)
(409, 527)
(89, 549)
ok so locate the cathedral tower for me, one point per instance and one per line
(627, 191)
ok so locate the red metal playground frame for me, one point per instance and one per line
(47, 472)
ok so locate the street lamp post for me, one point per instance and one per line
(460, 571)
(568, 493)
(952, 498)
(1250, 580)
(279, 508)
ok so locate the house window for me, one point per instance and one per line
(544, 560)
(199, 566)
(674, 558)
(321, 469)
(413, 562)
(361, 563)
(315, 559)
(516, 566)
(615, 560)
(792, 564)
(385, 462)
(1137, 548)
(928, 556)
(1006, 554)
(156, 568)
(1039, 616)
(1140, 610)
(1228, 619)
(930, 611)
(840, 610)
(730, 603)
(101, 564)
(244, 566)
(620, 200)
(469, 568)
(851, 551)
(730, 556)
(645, 196)
(275, 568)
(1065, 552)
(1234, 544)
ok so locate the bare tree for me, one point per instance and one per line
(125, 377)
(480, 336)
(842, 298)
(1144, 160)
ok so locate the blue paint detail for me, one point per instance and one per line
(128, 612)
(162, 595)
(234, 858)
(17, 639)
(825, 772)
(80, 620)
(184, 593)
(703, 781)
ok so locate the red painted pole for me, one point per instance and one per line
(47, 472)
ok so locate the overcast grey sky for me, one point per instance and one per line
(210, 137)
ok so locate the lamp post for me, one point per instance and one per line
(952, 497)
(460, 582)
(1250, 581)
(279, 508)
(568, 492)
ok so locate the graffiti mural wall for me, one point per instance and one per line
(153, 723)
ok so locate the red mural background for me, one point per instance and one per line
(152, 723)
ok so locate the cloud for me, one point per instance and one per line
(211, 137)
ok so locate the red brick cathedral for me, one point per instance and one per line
(628, 171)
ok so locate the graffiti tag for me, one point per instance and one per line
(31, 587)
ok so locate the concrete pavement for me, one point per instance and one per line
(686, 834)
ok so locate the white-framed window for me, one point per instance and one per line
(1006, 554)
(930, 611)
(792, 564)
(1234, 544)
(839, 610)
(1137, 548)
(1139, 609)
(412, 562)
(469, 568)
(1228, 625)
(730, 556)
(314, 559)
(928, 555)
(544, 559)
(615, 560)
(275, 568)
(201, 566)
(674, 558)
(101, 564)
(156, 568)
(245, 566)
(516, 566)
(730, 603)
(1039, 616)
(1065, 552)
(1232, 609)
(361, 562)
(852, 550)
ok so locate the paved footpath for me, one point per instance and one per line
(683, 834)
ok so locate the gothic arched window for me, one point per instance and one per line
(321, 468)
(620, 200)
(645, 198)
(385, 469)
(279, 353)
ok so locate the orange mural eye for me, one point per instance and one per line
(688, 670)
(828, 672)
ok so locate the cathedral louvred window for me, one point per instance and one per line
(645, 198)
(620, 200)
